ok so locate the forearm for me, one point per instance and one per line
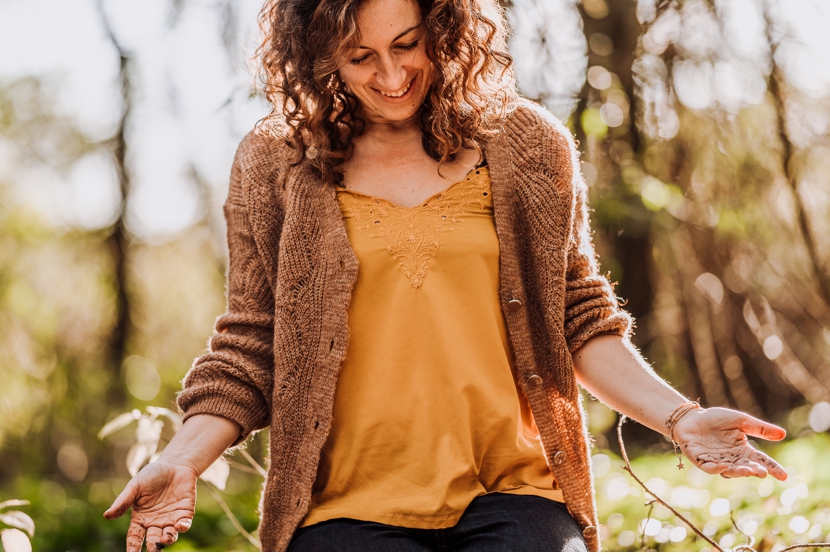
(200, 442)
(614, 372)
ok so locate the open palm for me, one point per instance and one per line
(163, 498)
(716, 441)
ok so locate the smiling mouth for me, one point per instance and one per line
(398, 94)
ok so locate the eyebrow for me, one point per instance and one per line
(398, 37)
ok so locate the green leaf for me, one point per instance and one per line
(15, 541)
(172, 416)
(14, 503)
(117, 423)
(217, 474)
(19, 520)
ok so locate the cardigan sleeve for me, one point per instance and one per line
(591, 308)
(234, 379)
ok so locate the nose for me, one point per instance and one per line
(391, 74)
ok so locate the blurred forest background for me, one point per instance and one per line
(704, 131)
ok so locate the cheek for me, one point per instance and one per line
(355, 77)
(347, 76)
(420, 59)
(428, 71)
(421, 62)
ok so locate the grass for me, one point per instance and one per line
(765, 513)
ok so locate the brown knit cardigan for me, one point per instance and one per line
(276, 354)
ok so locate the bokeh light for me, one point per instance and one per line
(702, 129)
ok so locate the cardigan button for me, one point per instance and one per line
(534, 381)
(589, 532)
(559, 458)
(514, 305)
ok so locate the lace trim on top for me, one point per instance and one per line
(413, 233)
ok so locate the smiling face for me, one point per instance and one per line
(389, 72)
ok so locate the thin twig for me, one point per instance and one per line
(232, 517)
(627, 467)
(806, 545)
(645, 524)
(253, 463)
(750, 538)
(242, 467)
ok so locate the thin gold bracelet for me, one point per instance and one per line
(672, 421)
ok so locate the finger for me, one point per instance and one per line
(750, 468)
(758, 470)
(770, 464)
(183, 525)
(153, 540)
(736, 471)
(123, 502)
(711, 467)
(760, 429)
(169, 535)
(135, 537)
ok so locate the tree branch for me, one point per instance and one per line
(118, 237)
(627, 467)
(257, 467)
(776, 85)
(232, 517)
(806, 545)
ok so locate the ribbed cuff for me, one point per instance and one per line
(216, 401)
(618, 323)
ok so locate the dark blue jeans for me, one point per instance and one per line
(492, 523)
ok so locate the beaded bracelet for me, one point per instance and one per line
(672, 421)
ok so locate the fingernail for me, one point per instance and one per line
(186, 523)
(159, 546)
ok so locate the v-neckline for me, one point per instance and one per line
(437, 195)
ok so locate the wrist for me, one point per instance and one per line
(679, 414)
(179, 461)
(201, 441)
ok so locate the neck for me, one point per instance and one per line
(386, 131)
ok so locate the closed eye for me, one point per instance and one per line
(410, 46)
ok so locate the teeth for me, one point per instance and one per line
(399, 93)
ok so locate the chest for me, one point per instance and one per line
(405, 177)
(451, 232)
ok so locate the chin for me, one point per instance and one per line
(400, 115)
(391, 113)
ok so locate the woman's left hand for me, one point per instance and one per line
(715, 440)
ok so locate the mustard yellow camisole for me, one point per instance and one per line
(427, 414)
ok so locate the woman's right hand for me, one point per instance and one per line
(163, 498)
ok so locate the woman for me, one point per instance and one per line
(412, 299)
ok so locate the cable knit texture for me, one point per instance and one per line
(276, 354)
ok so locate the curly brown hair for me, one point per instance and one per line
(307, 41)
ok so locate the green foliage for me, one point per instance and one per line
(69, 517)
(16, 527)
(715, 205)
(593, 124)
(768, 513)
